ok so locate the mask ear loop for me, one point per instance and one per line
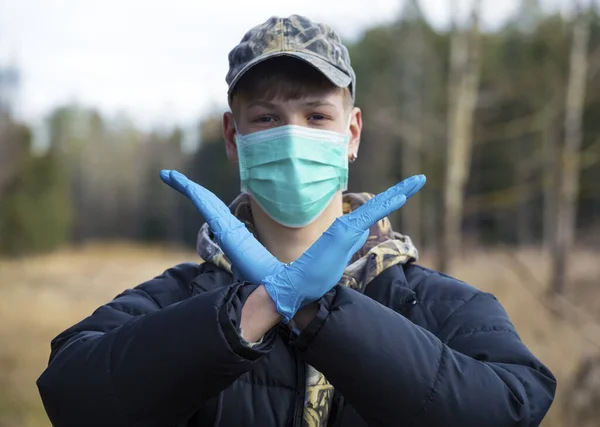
(353, 156)
(237, 132)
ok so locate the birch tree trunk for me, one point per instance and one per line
(569, 188)
(462, 93)
(551, 176)
(412, 89)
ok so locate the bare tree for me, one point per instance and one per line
(463, 88)
(528, 18)
(551, 179)
(570, 164)
(412, 105)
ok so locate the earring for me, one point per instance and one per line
(353, 157)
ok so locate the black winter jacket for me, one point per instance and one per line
(419, 349)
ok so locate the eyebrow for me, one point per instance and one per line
(261, 103)
(319, 104)
(268, 104)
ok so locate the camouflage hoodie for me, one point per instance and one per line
(383, 249)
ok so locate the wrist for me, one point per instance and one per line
(259, 315)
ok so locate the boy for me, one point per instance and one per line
(308, 308)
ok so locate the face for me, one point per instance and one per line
(325, 111)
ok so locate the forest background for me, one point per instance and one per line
(504, 123)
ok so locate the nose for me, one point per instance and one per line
(294, 119)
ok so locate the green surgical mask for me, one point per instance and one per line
(293, 172)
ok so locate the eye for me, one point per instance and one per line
(264, 119)
(317, 117)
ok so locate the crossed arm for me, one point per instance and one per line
(154, 354)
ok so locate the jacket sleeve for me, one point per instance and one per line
(150, 357)
(394, 372)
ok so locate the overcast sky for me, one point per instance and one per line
(164, 61)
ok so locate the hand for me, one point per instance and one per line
(322, 265)
(248, 256)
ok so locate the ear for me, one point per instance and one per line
(355, 131)
(229, 136)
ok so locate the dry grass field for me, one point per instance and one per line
(41, 296)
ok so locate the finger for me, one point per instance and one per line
(207, 202)
(363, 219)
(360, 221)
(164, 176)
(408, 188)
(168, 177)
(181, 183)
(216, 213)
(414, 184)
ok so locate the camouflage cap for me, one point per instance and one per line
(298, 37)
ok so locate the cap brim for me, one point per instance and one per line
(334, 74)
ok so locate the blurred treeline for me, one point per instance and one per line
(98, 178)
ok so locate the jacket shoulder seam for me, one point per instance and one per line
(482, 330)
(447, 319)
(468, 293)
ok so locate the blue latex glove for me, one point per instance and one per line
(320, 268)
(304, 281)
(251, 260)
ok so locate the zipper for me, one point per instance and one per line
(300, 391)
